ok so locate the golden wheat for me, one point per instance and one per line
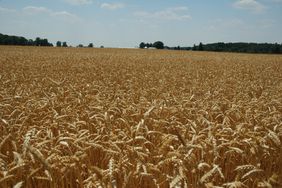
(139, 118)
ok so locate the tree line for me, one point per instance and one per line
(223, 47)
(217, 47)
(240, 47)
(22, 41)
(157, 45)
(16, 40)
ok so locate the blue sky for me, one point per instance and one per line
(126, 23)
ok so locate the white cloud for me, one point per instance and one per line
(171, 14)
(78, 2)
(6, 10)
(32, 10)
(182, 8)
(251, 5)
(112, 6)
(36, 10)
(63, 13)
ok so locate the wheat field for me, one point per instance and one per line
(128, 118)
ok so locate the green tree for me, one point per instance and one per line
(276, 48)
(148, 45)
(201, 48)
(90, 45)
(37, 41)
(158, 45)
(30, 42)
(59, 44)
(44, 42)
(65, 44)
(142, 45)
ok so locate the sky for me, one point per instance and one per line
(126, 23)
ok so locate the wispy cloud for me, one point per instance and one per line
(78, 2)
(174, 13)
(32, 10)
(181, 8)
(226, 24)
(36, 10)
(112, 6)
(251, 5)
(6, 10)
(64, 14)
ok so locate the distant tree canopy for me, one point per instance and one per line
(223, 47)
(201, 48)
(142, 45)
(65, 44)
(157, 44)
(217, 47)
(149, 45)
(17, 40)
(59, 44)
(241, 47)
